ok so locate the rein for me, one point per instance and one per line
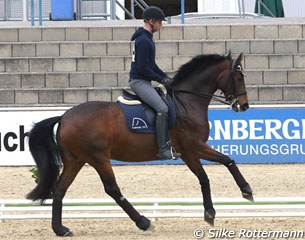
(176, 99)
(229, 100)
(217, 98)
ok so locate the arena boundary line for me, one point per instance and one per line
(156, 208)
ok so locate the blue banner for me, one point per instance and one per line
(273, 134)
(261, 135)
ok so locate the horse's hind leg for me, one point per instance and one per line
(106, 174)
(197, 169)
(66, 178)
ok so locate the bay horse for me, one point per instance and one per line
(96, 132)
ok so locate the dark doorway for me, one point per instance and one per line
(170, 7)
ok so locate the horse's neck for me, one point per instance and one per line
(193, 116)
(192, 107)
(201, 87)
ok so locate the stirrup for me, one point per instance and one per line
(168, 152)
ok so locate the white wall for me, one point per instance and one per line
(292, 8)
(217, 6)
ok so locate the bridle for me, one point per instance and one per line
(233, 94)
(230, 99)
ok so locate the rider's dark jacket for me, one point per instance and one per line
(143, 65)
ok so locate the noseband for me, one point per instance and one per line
(233, 94)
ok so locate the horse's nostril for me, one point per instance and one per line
(245, 105)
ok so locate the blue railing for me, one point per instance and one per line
(139, 3)
(182, 11)
(39, 12)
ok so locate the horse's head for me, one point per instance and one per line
(204, 74)
(235, 89)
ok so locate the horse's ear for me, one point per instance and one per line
(229, 53)
(238, 59)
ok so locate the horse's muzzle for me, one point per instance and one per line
(239, 107)
(244, 106)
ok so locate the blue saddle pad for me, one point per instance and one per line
(141, 118)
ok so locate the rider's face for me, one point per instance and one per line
(157, 24)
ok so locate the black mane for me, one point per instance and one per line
(199, 62)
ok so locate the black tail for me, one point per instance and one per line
(45, 153)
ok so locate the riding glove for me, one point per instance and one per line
(167, 81)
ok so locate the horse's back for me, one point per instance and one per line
(101, 126)
(87, 114)
(88, 109)
(88, 121)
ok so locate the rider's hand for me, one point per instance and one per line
(167, 81)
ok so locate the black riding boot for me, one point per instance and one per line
(166, 150)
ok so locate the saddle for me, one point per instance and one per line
(132, 99)
(140, 117)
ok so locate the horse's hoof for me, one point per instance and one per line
(210, 221)
(151, 228)
(69, 234)
(247, 193)
(63, 232)
(143, 223)
(209, 216)
(248, 196)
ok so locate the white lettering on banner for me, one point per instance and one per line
(257, 129)
(303, 124)
(240, 132)
(256, 126)
(220, 130)
(273, 125)
(260, 149)
(295, 133)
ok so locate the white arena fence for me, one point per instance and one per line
(155, 208)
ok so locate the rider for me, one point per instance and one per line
(144, 70)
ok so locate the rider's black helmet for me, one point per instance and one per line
(153, 12)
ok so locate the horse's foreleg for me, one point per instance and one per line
(66, 178)
(211, 154)
(240, 180)
(112, 189)
(197, 169)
